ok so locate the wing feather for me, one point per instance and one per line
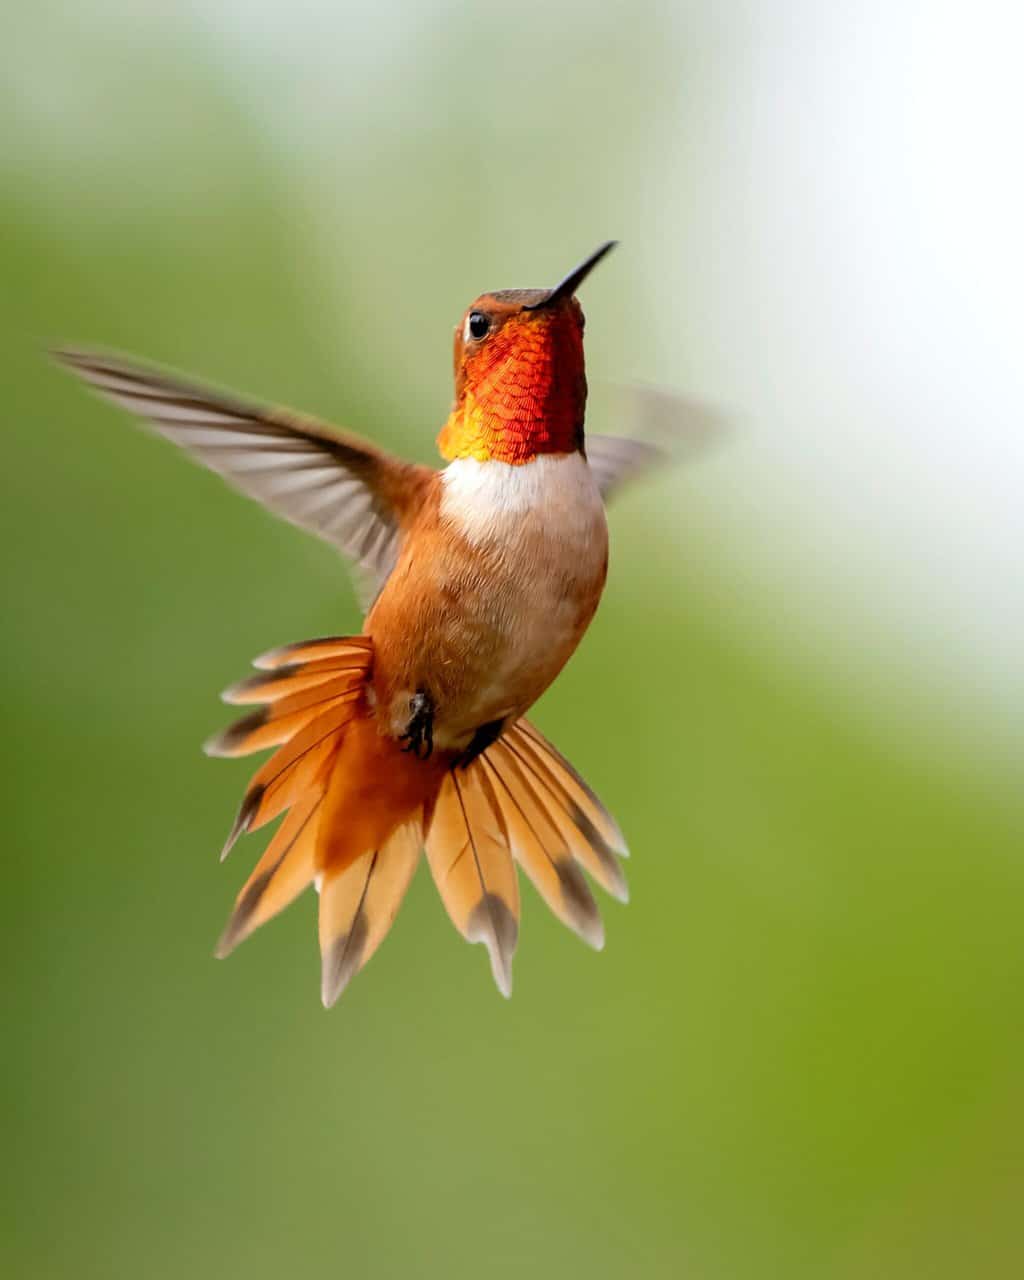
(666, 428)
(335, 485)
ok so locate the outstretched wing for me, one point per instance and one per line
(666, 428)
(329, 483)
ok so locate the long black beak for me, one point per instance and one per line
(567, 287)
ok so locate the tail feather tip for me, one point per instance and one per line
(232, 935)
(502, 974)
(342, 960)
(593, 934)
(225, 945)
(493, 924)
(250, 803)
(225, 743)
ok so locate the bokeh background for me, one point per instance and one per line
(801, 1051)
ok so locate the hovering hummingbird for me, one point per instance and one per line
(486, 575)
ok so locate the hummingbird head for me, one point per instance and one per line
(520, 385)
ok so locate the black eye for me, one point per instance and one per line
(478, 324)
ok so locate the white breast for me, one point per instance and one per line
(554, 495)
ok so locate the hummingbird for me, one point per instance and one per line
(485, 575)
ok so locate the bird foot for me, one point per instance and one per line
(419, 732)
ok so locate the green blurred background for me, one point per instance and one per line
(800, 1053)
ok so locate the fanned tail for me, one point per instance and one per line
(521, 800)
(357, 808)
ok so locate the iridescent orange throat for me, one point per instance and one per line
(521, 394)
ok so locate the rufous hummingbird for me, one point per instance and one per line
(486, 575)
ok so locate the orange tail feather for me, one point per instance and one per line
(360, 808)
(356, 801)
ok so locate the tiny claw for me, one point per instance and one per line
(419, 732)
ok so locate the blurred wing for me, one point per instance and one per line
(666, 428)
(615, 461)
(331, 484)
